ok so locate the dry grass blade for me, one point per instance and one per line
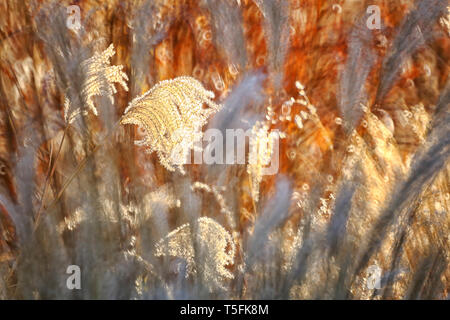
(427, 164)
(414, 32)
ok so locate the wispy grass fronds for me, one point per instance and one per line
(276, 27)
(425, 166)
(413, 33)
(360, 61)
(228, 31)
(146, 34)
(358, 208)
(211, 241)
(172, 115)
(100, 80)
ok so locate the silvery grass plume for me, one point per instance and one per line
(237, 113)
(148, 29)
(274, 213)
(207, 239)
(22, 213)
(65, 51)
(426, 164)
(172, 115)
(228, 30)
(249, 91)
(79, 76)
(99, 80)
(414, 32)
(262, 264)
(262, 148)
(33, 246)
(354, 76)
(277, 32)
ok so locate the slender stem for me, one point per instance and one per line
(49, 176)
(252, 191)
(80, 166)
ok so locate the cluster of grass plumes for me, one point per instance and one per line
(363, 181)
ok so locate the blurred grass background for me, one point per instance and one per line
(364, 181)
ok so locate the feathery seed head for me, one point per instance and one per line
(172, 116)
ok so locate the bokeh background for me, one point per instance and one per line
(363, 182)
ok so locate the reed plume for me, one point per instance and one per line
(100, 78)
(206, 238)
(172, 115)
